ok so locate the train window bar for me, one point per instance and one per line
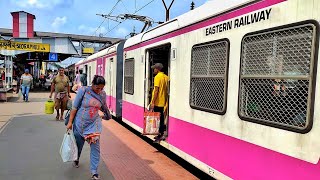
(129, 76)
(209, 76)
(277, 76)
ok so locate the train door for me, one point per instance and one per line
(86, 72)
(98, 70)
(85, 69)
(160, 54)
(90, 76)
(100, 67)
(111, 85)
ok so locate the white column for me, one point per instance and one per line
(8, 71)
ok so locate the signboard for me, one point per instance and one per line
(53, 57)
(36, 56)
(24, 46)
(87, 50)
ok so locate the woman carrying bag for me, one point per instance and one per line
(86, 121)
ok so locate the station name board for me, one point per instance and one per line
(239, 22)
(24, 46)
(87, 50)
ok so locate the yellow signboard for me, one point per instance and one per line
(24, 46)
(87, 50)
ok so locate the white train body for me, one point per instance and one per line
(243, 98)
(107, 63)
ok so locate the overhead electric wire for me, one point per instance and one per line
(125, 6)
(99, 27)
(113, 8)
(126, 19)
(127, 10)
(143, 6)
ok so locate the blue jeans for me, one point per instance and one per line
(25, 91)
(94, 151)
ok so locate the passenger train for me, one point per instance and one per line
(243, 93)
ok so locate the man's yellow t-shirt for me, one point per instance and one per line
(161, 80)
(61, 83)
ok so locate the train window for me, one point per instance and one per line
(209, 70)
(277, 77)
(129, 76)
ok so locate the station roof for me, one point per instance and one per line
(60, 43)
(34, 17)
(73, 37)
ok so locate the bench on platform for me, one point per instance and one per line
(6, 93)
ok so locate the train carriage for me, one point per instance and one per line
(243, 95)
(107, 63)
(114, 78)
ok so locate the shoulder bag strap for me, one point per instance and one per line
(103, 107)
(85, 91)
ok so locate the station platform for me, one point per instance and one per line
(30, 143)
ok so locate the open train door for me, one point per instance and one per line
(159, 54)
(110, 83)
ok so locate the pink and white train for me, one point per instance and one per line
(243, 94)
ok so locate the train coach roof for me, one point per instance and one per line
(102, 53)
(209, 9)
(80, 62)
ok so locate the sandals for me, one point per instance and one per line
(76, 164)
(95, 176)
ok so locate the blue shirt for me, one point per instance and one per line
(87, 119)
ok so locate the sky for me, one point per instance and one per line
(79, 16)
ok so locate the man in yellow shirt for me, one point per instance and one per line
(160, 96)
(60, 85)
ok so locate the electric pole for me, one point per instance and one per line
(167, 9)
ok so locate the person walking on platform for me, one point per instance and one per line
(159, 98)
(26, 81)
(3, 76)
(83, 78)
(42, 80)
(50, 76)
(60, 85)
(86, 122)
(77, 78)
(76, 83)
